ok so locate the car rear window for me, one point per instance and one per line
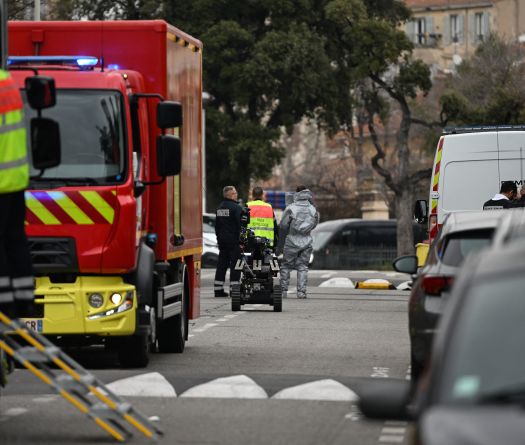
(458, 245)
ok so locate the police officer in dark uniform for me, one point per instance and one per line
(228, 230)
(503, 199)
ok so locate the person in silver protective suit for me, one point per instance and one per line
(295, 241)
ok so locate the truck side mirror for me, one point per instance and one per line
(168, 155)
(41, 92)
(421, 211)
(169, 114)
(45, 143)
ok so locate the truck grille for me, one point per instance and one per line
(53, 255)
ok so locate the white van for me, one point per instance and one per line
(469, 166)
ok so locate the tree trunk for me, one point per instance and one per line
(405, 234)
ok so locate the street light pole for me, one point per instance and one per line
(37, 10)
(3, 34)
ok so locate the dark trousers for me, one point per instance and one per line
(228, 256)
(16, 270)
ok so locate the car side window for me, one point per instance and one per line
(455, 247)
(344, 239)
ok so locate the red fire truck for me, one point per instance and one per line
(116, 229)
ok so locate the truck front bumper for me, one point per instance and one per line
(68, 307)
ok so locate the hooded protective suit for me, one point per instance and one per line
(298, 220)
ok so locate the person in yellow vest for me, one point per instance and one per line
(16, 270)
(262, 217)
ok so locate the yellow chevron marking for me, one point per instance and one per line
(71, 208)
(99, 203)
(40, 211)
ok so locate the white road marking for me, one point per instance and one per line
(391, 439)
(222, 319)
(327, 389)
(151, 384)
(12, 412)
(380, 372)
(190, 335)
(234, 387)
(231, 316)
(327, 275)
(205, 327)
(391, 430)
(45, 399)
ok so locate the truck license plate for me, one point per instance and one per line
(34, 324)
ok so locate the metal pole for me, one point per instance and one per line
(3, 34)
(37, 10)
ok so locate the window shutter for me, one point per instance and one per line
(472, 38)
(461, 28)
(486, 25)
(411, 31)
(446, 30)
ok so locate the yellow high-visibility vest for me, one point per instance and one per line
(14, 166)
(261, 219)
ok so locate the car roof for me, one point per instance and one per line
(462, 221)
(512, 226)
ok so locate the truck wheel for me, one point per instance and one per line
(172, 332)
(277, 298)
(133, 351)
(236, 297)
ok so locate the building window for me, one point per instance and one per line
(421, 30)
(479, 27)
(455, 28)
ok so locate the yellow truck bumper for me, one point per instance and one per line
(67, 308)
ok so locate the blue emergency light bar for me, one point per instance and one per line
(83, 62)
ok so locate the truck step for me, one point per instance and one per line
(74, 383)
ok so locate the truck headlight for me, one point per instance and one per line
(116, 298)
(126, 305)
(96, 300)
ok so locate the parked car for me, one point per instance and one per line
(474, 390)
(357, 243)
(462, 233)
(210, 248)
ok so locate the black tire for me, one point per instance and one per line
(235, 294)
(172, 332)
(133, 351)
(277, 298)
(416, 369)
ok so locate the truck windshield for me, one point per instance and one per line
(92, 137)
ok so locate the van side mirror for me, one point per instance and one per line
(169, 114)
(406, 264)
(421, 211)
(45, 143)
(41, 92)
(168, 155)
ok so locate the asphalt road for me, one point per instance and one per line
(251, 377)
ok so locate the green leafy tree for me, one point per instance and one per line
(488, 88)
(386, 82)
